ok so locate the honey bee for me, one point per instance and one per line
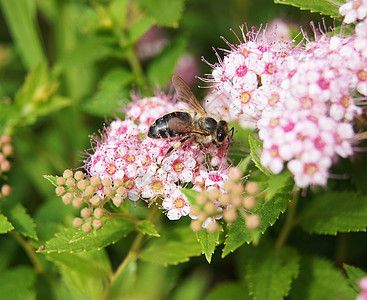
(196, 125)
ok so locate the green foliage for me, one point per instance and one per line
(324, 7)
(335, 212)
(173, 247)
(354, 275)
(75, 240)
(5, 225)
(228, 290)
(319, 279)
(147, 227)
(270, 272)
(17, 283)
(255, 152)
(208, 242)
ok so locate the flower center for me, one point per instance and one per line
(306, 102)
(274, 122)
(270, 68)
(178, 166)
(245, 97)
(273, 99)
(179, 203)
(241, 71)
(129, 184)
(362, 75)
(111, 169)
(157, 187)
(345, 101)
(274, 151)
(311, 169)
(129, 158)
(215, 177)
(323, 83)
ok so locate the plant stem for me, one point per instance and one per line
(131, 256)
(136, 67)
(29, 250)
(289, 221)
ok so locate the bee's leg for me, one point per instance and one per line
(177, 144)
(215, 143)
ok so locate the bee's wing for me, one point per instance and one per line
(178, 125)
(185, 94)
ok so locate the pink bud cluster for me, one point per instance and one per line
(301, 99)
(125, 153)
(6, 150)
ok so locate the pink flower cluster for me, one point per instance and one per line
(125, 152)
(363, 286)
(301, 99)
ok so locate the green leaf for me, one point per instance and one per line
(270, 272)
(92, 264)
(21, 220)
(228, 290)
(319, 279)
(165, 12)
(52, 179)
(75, 240)
(354, 275)
(324, 7)
(147, 227)
(15, 283)
(256, 149)
(172, 248)
(192, 288)
(279, 183)
(138, 29)
(111, 91)
(335, 212)
(190, 195)
(5, 225)
(162, 67)
(118, 10)
(21, 20)
(237, 235)
(208, 242)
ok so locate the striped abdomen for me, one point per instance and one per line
(160, 130)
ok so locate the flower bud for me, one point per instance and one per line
(77, 202)
(210, 208)
(90, 190)
(87, 227)
(5, 139)
(77, 222)
(97, 224)
(59, 191)
(5, 166)
(224, 199)
(95, 181)
(106, 182)
(8, 150)
(252, 187)
(194, 210)
(82, 184)
(70, 182)
(230, 215)
(121, 190)
(249, 202)
(117, 183)
(98, 212)
(95, 200)
(253, 221)
(85, 212)
(67, 174)
(201, 198)
(214, 194)
(117, 200)
(60, 181)
(213, 227)
(67, 198)
(79, 175)
(110, 192)
(6, 190)
(235, 173)
(236, 201)
(195, 225)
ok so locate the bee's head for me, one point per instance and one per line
(222, 131)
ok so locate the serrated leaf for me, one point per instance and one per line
(52, 179)
(75, 240)
(319, 279)
(164, 12)
(160, 70)
(5, 225)
(111, 91)
(335, 212)
(15, 283)
(279, 184)
(228, 290)
(21, 220)
(208, 242)
(147, 227)
(237, 235)
(324, 7)
(354, 275)
(270, 272)
(93, 263)
(256, 150)
(172, 248)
